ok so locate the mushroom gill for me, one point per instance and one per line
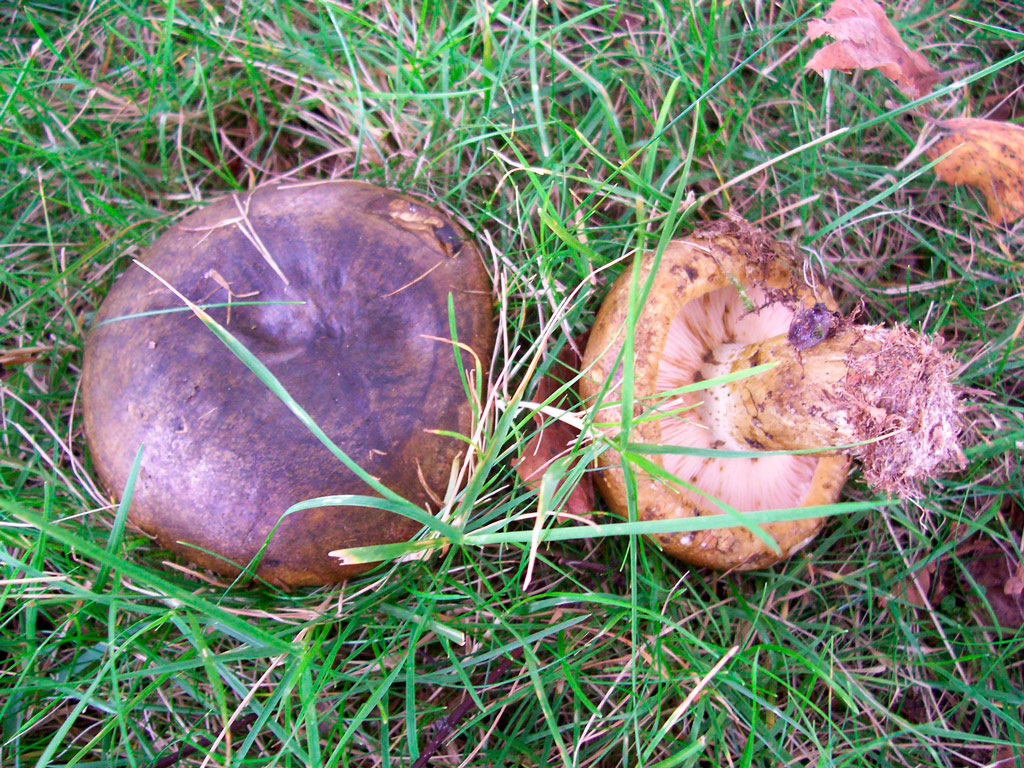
(700, 329)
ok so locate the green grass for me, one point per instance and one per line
(566, 136)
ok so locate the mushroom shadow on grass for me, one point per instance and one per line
(725, 300)
(364, 354)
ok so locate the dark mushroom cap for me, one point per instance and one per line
(223, 456)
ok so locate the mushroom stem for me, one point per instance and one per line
(800, 403)
(885, 390)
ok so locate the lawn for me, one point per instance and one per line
(567, 137)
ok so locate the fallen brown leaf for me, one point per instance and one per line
(990, 572)
(986, 154)
(551, 442)
(999, 572)
(977, 561)
(1014, 585)
(917, 586)
(555, 438)
(565, 368)
(866, 39)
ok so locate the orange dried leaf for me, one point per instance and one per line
(866, 39)
(988, 155)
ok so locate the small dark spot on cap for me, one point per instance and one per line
(691, 272)
(449, 239)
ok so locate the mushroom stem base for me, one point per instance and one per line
(881, 395)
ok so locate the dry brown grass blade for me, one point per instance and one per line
(988, 155)
(866, 39)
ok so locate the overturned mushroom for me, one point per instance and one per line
(726, 300)
(358, 330)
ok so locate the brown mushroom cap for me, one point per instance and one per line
(364, 354)
(730, 287)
